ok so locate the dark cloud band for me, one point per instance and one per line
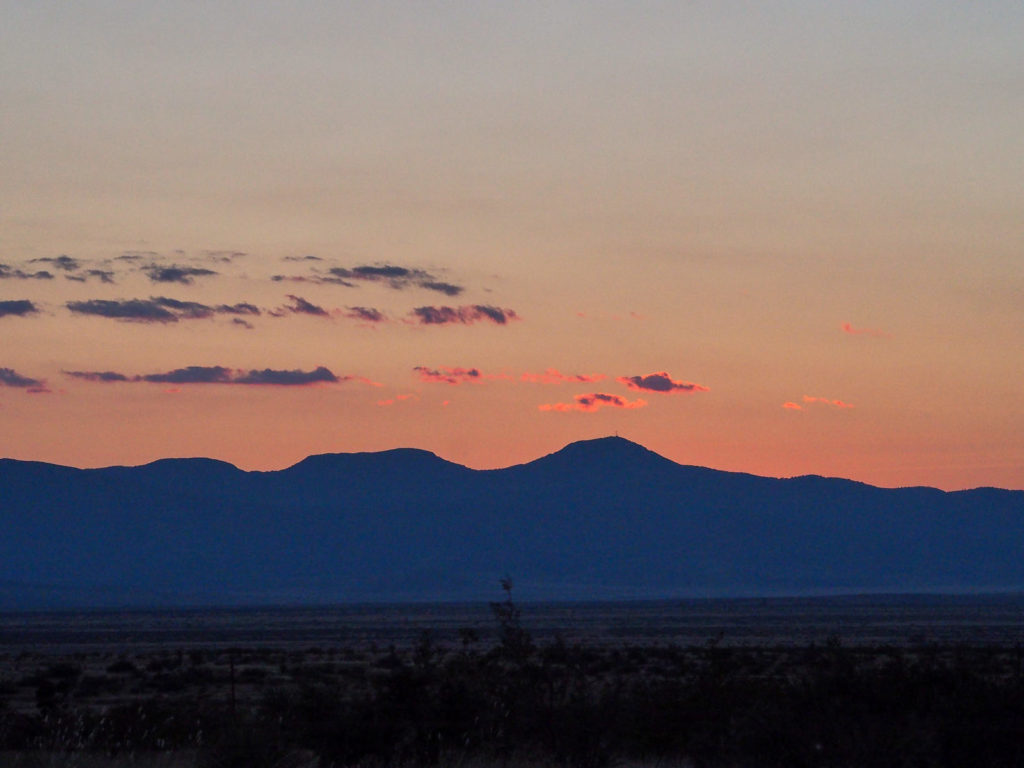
(157, 309)
(106, 377)
(11, 378)
(176, 274)
(17, 308)
(63, 262)
(391, 275)
(218, 374)
(8, 272)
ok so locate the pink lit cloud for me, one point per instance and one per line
(592, 402)
(848, 328)
(397, 399)
(827, 401)
(660, 382)
(446, 375)
(553, 376)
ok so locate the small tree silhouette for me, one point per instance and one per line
(516, 644)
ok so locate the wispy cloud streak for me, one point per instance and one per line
(827, 401)
(219, 374)
(848, 328)
(554, 376)
(446, 375)
(592, 402)
(157, 309)
(8, 272)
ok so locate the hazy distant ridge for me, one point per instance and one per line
(601, 518)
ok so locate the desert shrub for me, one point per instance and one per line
(250, 743)
(121, 667)
(515, 642)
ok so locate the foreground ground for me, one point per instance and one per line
(513, 703)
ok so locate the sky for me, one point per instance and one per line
(782, 238)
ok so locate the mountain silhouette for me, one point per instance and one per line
(598, 519)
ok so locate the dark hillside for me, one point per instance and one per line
(598, 519)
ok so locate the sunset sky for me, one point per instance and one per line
(780, 238)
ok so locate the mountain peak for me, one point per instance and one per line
(397, 460)
(609, 443)
(604, 452)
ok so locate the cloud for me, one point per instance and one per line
(445, 375)
(826, 401)
(175, 273)
(8, 272)
(391, 275)
(398, 278)
(242, 308)
(63, 262)
(553, 376)
(300, 306)
(218, 374)
(315, 279)
(660, 382)
(137, 256)
(464, 315)
(448, 289)
(187, 310)
(157, 309)
(366, 314)
(17, 308)
(592, 402)
(224, 256)
(397, 399)
(243, 323)
(319, 375)
(807, 399)
(105, 377)
(103, 275)
(139, 310)
(382, 272)
(847, 328)
(193, 374)
(11, 378)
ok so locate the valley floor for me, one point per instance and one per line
(514, 702)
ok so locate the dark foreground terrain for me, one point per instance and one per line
(501, 697)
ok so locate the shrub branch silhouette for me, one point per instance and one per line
(516, 644)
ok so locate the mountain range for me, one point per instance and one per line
(599, 519)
